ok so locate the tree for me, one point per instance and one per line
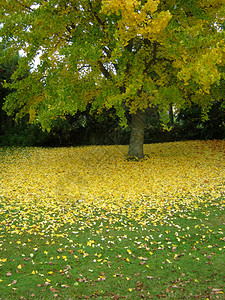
(123, 54)
(7, 68)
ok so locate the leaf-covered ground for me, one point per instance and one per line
(85, 222)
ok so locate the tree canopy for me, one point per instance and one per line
(123, 54)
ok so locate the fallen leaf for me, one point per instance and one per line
(216, 291)
(139, 286)
(54, 290)
(119, 275)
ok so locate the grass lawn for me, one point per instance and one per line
(85, 223)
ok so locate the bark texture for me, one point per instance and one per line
(137, 134)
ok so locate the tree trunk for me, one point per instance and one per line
(171, 115)
(137, 134)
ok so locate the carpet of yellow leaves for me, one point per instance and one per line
(63, 185)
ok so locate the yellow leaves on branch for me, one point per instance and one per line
(126, 7)
(137, 19)
(203, 68)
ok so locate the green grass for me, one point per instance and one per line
(114, 257)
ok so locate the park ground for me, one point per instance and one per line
(88, 223)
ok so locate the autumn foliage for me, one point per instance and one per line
(127, 55)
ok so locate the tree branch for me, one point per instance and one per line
(100, 22)
(104, 71)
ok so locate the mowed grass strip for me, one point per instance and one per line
(139, 244)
